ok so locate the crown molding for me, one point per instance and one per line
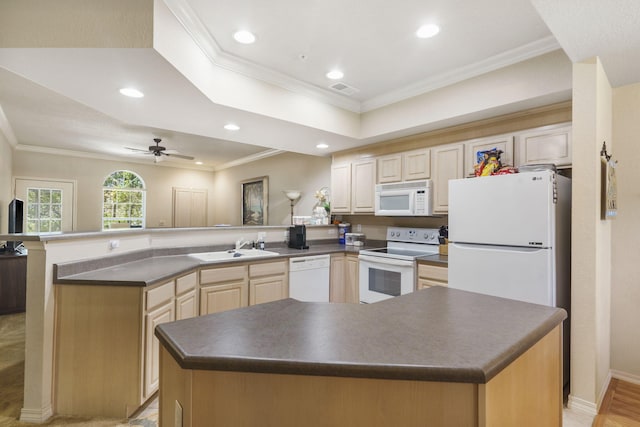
(203, 39)
(522, 53)
(99, 156)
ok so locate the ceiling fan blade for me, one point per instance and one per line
(137, 149)
(180, 156)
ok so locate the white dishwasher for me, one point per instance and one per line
(309, 278)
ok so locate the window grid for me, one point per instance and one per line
(44, 210)
(123, 202)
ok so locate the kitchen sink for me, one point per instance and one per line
(232, 254)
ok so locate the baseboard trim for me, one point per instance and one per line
(624, 376)
(581, 405)
(603, 390)
(37, 416)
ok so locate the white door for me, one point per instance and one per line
(511, 210)
(523, 274)
(49, 204)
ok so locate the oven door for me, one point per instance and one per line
(382, 278)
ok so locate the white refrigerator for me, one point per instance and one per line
(510, 236)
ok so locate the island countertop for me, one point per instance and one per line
(435, 334)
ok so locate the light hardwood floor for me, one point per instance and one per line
(620, 407)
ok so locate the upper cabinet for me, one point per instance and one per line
(503, 143)
(446, 163)
(341, 188)
(390, 168)
(353, 187)
(406, 166)
(548, 144)
(363, 186)
(416, 164)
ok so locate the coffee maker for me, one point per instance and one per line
(298, 237)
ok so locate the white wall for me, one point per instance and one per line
(625, 289)
(90, 174)
(6, 169)
(591, 237)
(287, 171)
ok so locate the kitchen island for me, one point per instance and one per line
(434, 357)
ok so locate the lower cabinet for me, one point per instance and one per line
(268, 281)
(158, 316)
(432, 275)
(223, 288)
(343, 285)
(106, 353)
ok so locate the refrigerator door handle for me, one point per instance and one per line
(499, 247)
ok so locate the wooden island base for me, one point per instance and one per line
(528, 392)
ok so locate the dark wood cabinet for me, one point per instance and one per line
(13, 283)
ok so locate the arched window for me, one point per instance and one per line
(123, 201)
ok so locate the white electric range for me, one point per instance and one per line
(390, 271)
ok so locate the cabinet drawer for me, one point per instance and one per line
(186, 283)
(428, 271)
(268, 268)
(160, 295)
(223, 274)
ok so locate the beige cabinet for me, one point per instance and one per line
(223, 288)
(158, 316)
(353, 187)
(548, 144)
(432, 275)
(268, 281)
(363, 185)
(341, 188)
(187, 296)
(503, 143)
(416, 164)
(405, 166)
(343, 285)
(446, 164)
(389, 168)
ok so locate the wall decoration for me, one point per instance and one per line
(609, 185)
(255, 197)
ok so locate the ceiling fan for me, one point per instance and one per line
(158, 151)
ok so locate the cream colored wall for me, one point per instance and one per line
(591, 237)
(287, 171)
(6, 169)
(625, 292)
(90, 174)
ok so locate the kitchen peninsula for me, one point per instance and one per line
(434, 357)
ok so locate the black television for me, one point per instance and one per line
(16, 211)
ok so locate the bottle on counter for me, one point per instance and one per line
(343, 229)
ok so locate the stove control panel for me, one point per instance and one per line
(413, 235)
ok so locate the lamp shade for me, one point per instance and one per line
(292, 194)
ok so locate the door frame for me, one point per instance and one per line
(74, 184)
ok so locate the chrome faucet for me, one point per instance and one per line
(240, 243)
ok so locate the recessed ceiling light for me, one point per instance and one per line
(322, 146)
(198, 163)
(427, 31)
(335, 74)
(131, 92)
(231, 126)
(244, 37)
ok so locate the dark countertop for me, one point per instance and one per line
(154, 269)
(436, 259)
(435, 334)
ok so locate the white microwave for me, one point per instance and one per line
(409, 198)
